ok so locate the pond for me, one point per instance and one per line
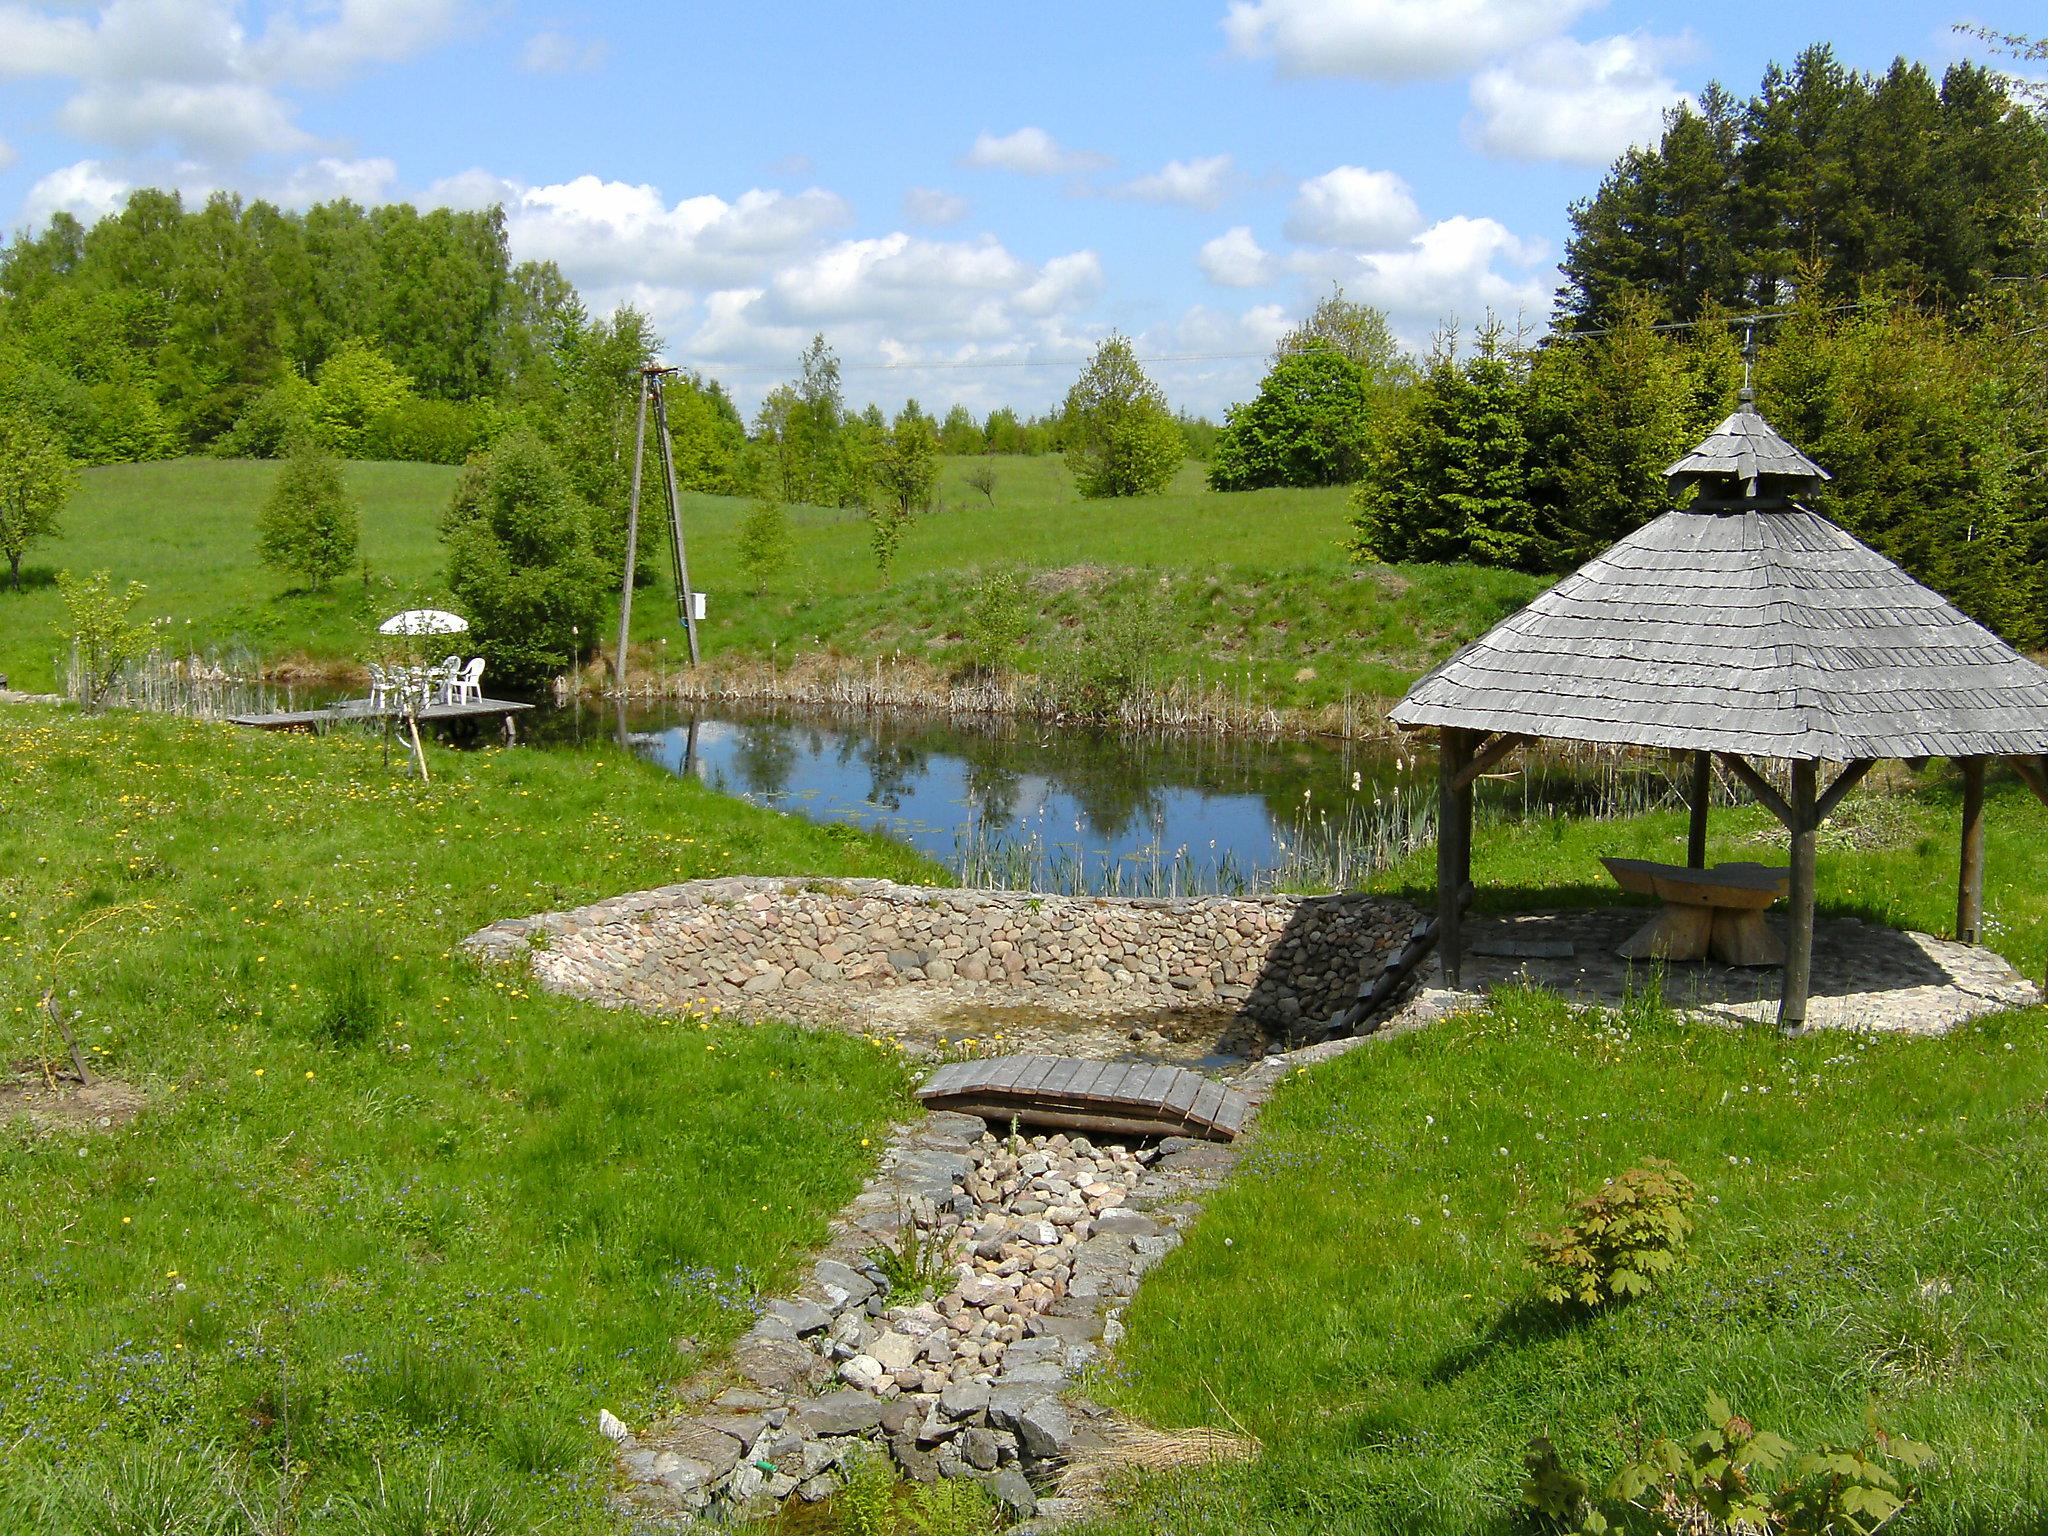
(1031, 805)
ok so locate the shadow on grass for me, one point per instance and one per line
(1530, 1320)
(34, 578)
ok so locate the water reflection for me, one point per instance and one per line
(1028, 805)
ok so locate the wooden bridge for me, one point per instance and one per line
(1126, 1098)
(361, 711)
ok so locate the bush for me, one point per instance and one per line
(764, 543)
(308, 526)
(1616, 1243)
(520, 561)
(1121, 439)
(426, 432)
(1731, 1476)
(997, 618)
(1112, 658)
(103, 638)
(273, 421)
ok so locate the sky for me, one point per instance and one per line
(964, 198)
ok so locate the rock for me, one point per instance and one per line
(1013, 1492)
(1044, 1429)
(863, 1371)
(850, 1282)
(918, 1464)
(1006, 1404)
(964, 1400)
(1122, 1223)
(838, 1413)
(612, 1427)
(814, 1490)
(747, 1480)
(936, 1427)
(741, 1400)
(805, 1317)
(743, 1427)
(1042, 1233)
(894, 1351)
(978, 1450)
(980, 1290)
(776, 1365)
(902, 1415)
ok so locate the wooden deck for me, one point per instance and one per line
(357, 711)
(1126, 1098)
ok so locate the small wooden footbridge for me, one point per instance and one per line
(1120, 1098)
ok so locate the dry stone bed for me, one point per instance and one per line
(1040, 1241)
(916, 960)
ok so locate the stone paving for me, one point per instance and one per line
(1865, 976)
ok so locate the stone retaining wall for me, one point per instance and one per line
(819, 949)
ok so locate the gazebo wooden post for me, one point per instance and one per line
(1970, 879)
(1804, 825)
(1696, 831)
(1453, 845)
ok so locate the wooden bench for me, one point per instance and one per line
(1713, 913)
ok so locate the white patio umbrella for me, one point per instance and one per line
(424, 621)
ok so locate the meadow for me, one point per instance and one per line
(363, 1223)
(1249, 593)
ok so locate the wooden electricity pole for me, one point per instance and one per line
(651, 392)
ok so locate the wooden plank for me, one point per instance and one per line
(1062, 1075)
(1181, 1098)
(1084, 1080)
(1207, 1103)
(1232, 1116)
(1041, 1068)
(1153, 1087)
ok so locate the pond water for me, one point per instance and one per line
(1029, 805)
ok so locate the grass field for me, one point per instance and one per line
(377, 1212)
(1251, 593)
(1871, 1233)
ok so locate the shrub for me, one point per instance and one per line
(1731, 1476)
(520, 561)
(272, 422)
(426, 432)
(1617, 1242)
(764, 543)
(997, 618)
(103, 638)
(1121, 439)
(308, 526)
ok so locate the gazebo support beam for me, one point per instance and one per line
(1485, 757)
(1761, 787)
(2030, 771)
(1453, 843)
(1696, 830)
(1850, 776)
(1970, 878)
(1804, 825)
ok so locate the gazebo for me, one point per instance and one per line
(1746, 627)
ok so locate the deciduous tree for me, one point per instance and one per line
(1121, 439)
(308, 526)
(37, 478)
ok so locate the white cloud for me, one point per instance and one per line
(224, 120)
(557, 53)
(1390, 39)
(9, 156)
(87, 190)
(933, 206)
(1201, 183)
(328, 179)
(1234, 259)
(611, 232)
(1030, 152)
(1354, 207)
(1582, 103)
(188, 74)
(1450, 271)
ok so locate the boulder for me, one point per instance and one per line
(838, 1413)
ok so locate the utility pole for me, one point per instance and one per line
(652, 378)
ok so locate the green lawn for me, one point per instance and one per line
(379, 1209)
(1251, 593)
(1871, 1232)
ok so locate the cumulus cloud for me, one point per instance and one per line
(1235, 260)
(1030, 152)
(189, 75)
(1582, 103)
(87, 190)
(327, 179)
(557, 53)
(1452, 270)
(1353, 207)
(1390, 39)
(1201, 183)
(932, 206)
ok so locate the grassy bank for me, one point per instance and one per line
(1870, 1233)
(1240, 596)
(360, 1215)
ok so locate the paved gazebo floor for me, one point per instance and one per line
(1865, 976)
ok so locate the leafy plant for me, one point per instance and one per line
(997, 618)
(951, 1507)
(913, 1263)
(982, 478)
(765, 543)
(351, 989)
(1731, 1476)
(1616, 1243)
(866, 1505)
(103, 637)
(37, 478)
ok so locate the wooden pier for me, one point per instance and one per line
(1123, 1098)
(360, 712)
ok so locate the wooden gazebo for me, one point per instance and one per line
(1745, 627)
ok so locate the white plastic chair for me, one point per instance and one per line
(444, 678)
(380, 687)
(467, 686)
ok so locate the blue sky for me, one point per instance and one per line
(962, 198)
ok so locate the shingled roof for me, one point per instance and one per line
(1744, 623)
